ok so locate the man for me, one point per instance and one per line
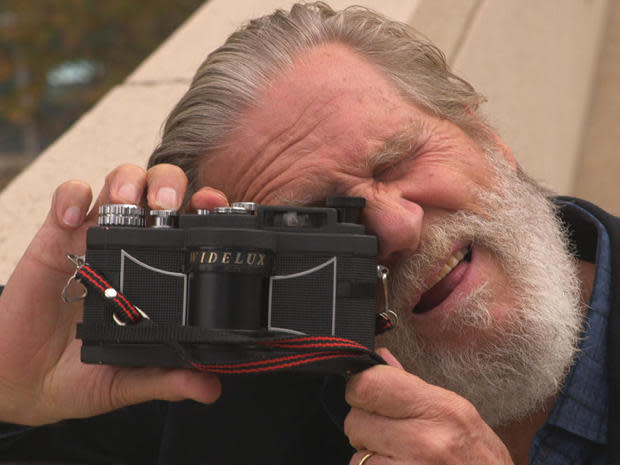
(499, 322)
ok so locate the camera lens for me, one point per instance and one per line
(229, 288)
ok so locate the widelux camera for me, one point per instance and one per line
(219, 282)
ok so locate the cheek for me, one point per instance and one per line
(492, 274)
(438, 191)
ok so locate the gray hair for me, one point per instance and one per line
(229, 79)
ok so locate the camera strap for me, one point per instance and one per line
(311, 353)
(269, 352)
(124, 311)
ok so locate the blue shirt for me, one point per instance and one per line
(576, 430)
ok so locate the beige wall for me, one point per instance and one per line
(534, 60)
(596, 176)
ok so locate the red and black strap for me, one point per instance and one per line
(275, 363)
(289, 353)
(123, 309)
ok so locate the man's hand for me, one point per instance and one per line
(41, 377)
(404, 420)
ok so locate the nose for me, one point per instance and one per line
(397, 223)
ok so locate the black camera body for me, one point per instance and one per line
(246, 272)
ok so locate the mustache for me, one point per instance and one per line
(411, 273)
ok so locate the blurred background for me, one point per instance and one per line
(87, 84)
(58, 57)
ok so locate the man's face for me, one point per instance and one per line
(333, 125)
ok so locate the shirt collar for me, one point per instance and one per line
(583, 404)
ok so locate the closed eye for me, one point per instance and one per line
(384, 170)
(394, 167)
(398, 149)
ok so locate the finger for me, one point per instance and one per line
(394, 393)
(70, 204)
(389, 358)
(166, 187)
(208, 198)
(425, 441)
(372, 459)
(125, 184)
(62, 231)
(386, 436)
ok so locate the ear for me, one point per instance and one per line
(506, 151)
(492, 133)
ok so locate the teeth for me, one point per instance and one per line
(454, 260)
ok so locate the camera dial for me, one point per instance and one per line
(123, 214)
(164, 218)
(234, 210)
(251, 207)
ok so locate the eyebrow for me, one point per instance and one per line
(395, 147)
(300, 200)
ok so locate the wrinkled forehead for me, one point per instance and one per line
(330, 103)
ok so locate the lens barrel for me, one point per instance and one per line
(229, 288)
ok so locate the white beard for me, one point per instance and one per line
(506, 370)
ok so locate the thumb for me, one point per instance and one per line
(78, 390)
(134, 385)
(389, 358)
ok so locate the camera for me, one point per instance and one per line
(219, 282)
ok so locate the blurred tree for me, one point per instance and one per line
(57, 57)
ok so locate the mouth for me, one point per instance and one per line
(447, 279)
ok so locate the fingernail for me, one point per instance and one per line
(166, 198)
(128, 193)
(223, 197)
(72, 216)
